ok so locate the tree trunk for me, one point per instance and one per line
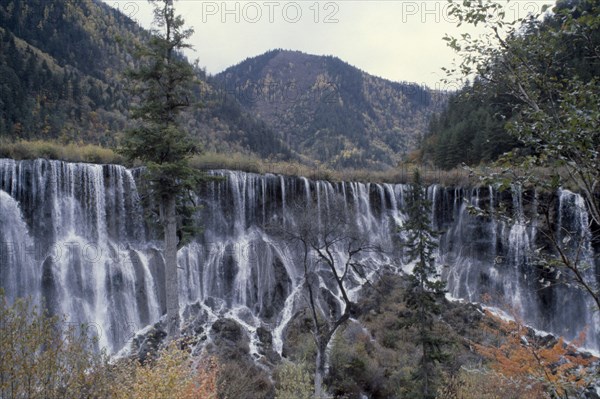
(320, 370)
(172, 284)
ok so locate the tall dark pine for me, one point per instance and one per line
(162, 83)
(426, 290)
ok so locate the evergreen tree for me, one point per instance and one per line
(425, 291)
(163, 83)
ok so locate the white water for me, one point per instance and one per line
(81, 244)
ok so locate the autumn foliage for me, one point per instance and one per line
(171, 375)
(41, 359)
(556, 368)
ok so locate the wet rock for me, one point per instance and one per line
(265, 345)
(265, 336)
(195, 318)
(147, 344)
(229, 340)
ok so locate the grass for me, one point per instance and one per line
(90, 153)
(402, 174)
(72, 152)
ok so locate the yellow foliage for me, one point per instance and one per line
(41, 359)
(73, 152)
(170, 376)
(294, 382)
(482, 384)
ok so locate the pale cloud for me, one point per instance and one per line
(398, 40)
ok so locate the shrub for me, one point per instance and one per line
(242, 379)
(43, 359)
(170, 375)
(482, 384)
(294, 381)
(71, 152)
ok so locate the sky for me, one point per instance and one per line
(400, 40)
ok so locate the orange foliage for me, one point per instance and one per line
(205, 384)
(517, 355)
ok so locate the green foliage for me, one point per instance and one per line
(535, 73)
(471, 130)
(59, 75)
(294, 381)
(357, 366)
(163, 83)
(548, 71)
(426, 291)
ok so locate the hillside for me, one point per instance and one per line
(481, 122)
(62, 76)
(331, 111)
(63, 67)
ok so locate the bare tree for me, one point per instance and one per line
(332, 250)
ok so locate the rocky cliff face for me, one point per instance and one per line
(74, 235)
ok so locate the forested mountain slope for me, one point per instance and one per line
(331, 111)
(62, 76)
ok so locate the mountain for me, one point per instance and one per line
(62, 76)
(331, 111)
(61, 68)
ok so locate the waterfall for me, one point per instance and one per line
(77, 246)
(15, 249)
(74, 236)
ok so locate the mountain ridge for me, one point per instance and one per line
(63, 65)
(331, 110)
(64, 62)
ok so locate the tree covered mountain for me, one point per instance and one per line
(62, 76)
(63, 70)
(331, 111)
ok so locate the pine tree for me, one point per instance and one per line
(425, 291)
(163, 85)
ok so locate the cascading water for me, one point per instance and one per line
(77, 242)
(494, 261)
(74, 235)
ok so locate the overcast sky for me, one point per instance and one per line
(400, 40)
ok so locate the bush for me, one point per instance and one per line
(170, 376)
(294, 381)
(482, 384)
(242, 379)
(43, 359)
